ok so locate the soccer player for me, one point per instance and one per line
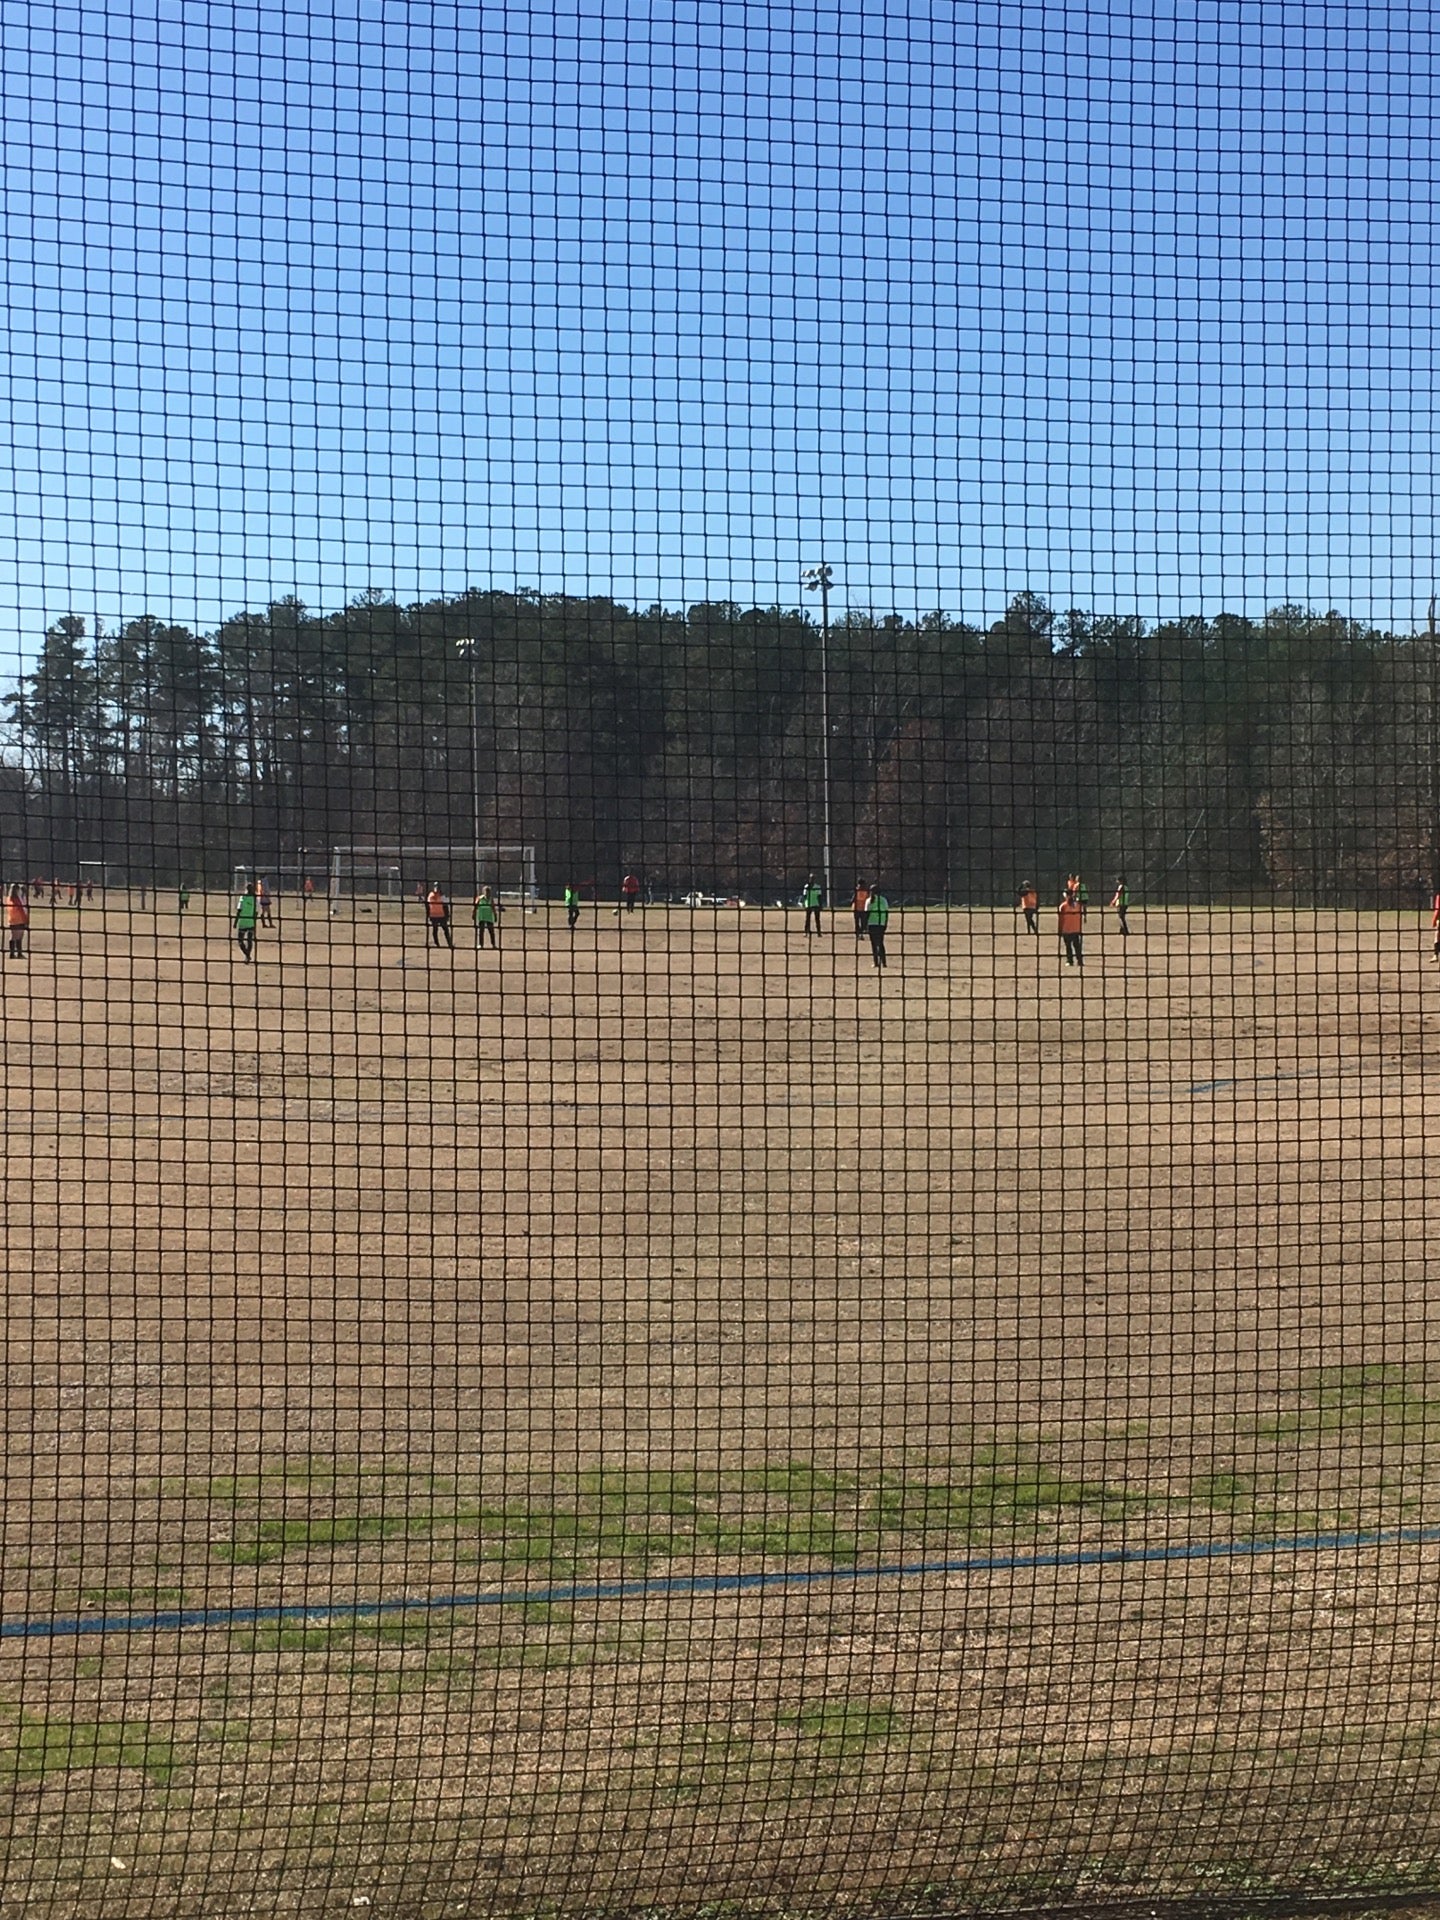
(877, 919)
(437, 912)
(184, 897)
(1121, 904)
(487, 913)
(1027, 896)
(858, 906)
(1435, 923)
(630, 891)
(810, 897)
(308, 890)
(1072, 922)
(262, 894)
(247, 913)
(17, 919)
(572, 907)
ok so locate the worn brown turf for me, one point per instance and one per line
(686, 1246)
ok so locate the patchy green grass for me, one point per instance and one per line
(34, 1745)
(316, 1533)
(627, 1522)
(842, 1730)
(1370, 1399)
(818, 1742)
(132, 1599)
(1002, 1497)
(1351, 1449)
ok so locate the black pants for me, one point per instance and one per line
(1120, 915)
(630, 902)
(437, 927)
(1074, 949)
(245, 940)
(877, 945)
(482, 927)
(1032, 920)
(812, 913)
(17, 944)
(572, 916)
(860, 925)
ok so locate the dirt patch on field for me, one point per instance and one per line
(690, 1250)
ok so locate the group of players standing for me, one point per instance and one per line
(1071, 913)
(869, 906)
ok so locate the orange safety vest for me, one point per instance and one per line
(435, 906)
(1030, 899)
(861, 900)
(1072, 920)
(17, 914)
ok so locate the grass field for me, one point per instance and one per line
(684, 1246)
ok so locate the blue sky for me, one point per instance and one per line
(667, 301)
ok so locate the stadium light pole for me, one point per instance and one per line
(820, 580)
(1432, 659)
(466, 650)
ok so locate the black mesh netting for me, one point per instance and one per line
(718, 816)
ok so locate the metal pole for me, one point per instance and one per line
(467, 650)
(825, 733)
(1433, 714)
(474, 768)
(821, 577)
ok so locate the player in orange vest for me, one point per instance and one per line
(1072, 923)
(630, 891)
(1435, 923)
(17, 919)
(437, 910)
(1027, 896)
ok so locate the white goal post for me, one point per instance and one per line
(282, 880)
(398, 872)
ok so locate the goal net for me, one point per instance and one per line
(405, 872)
(103, 873)
(282, 880)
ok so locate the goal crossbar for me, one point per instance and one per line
(402, 866)
(280, 877)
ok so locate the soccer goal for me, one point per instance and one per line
(405, 873)
(282, 880)
(103, 873)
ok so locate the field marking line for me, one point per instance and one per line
(325, 1614)
(1383, 1068)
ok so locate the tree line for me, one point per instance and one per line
(1208, 759)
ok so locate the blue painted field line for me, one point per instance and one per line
(1307, 1073)
(697, 1585)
